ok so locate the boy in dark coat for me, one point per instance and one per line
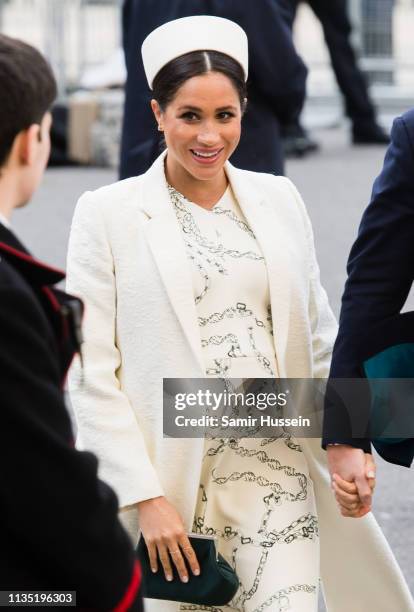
(59, 529)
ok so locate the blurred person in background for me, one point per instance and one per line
(276, 86)
(58, 523)
(337, 30)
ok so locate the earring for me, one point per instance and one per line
(160, 128)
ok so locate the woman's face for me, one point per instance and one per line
(201, 125)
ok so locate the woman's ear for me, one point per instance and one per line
(157, 113)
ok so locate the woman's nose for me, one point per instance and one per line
(208, 135)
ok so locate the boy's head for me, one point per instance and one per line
(27, 90)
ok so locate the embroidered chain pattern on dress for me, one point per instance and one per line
(209, 255)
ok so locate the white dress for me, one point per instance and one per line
(255, 494)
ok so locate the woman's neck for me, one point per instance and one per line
(205, 193)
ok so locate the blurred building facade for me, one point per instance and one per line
(82, 40)
(74, 34)
(78, 34)
(383, 37)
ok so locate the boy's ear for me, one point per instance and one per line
(28, 143)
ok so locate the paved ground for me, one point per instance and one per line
(336, 186)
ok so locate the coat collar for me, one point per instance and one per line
(164, 237)
(12, 250)
(156, 200)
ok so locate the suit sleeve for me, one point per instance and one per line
(106, 421)
(61, 520)
(380, 272)
(381, 262)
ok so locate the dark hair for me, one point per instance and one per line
(27, 90)
(174, 74)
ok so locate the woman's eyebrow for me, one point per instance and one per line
(191, 108)
(223, 108)
(200, 110)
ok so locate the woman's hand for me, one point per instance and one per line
(353, 479)
(164, 534)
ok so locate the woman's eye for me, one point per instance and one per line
(189, 116)
(225, 115)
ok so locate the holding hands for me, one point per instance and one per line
(353, 479)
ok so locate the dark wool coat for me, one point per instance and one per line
(58, 522)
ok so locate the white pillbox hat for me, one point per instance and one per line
(197, 33)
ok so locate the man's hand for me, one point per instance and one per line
(353, 479)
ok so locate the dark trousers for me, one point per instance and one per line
(333, 16)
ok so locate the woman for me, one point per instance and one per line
(199, 269)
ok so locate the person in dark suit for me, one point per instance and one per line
(337, 29)
(58, 523)
(276, 86)
(380, 275)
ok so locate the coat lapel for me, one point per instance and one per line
(267, 227)
(167, 246)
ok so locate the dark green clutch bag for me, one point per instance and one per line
(216, 585)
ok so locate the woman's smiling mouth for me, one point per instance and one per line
(206, 156)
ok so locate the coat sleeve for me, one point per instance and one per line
(106, 421)
(322, 320)
(62, 526)
(324, 331)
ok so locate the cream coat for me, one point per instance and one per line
(127, 260)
